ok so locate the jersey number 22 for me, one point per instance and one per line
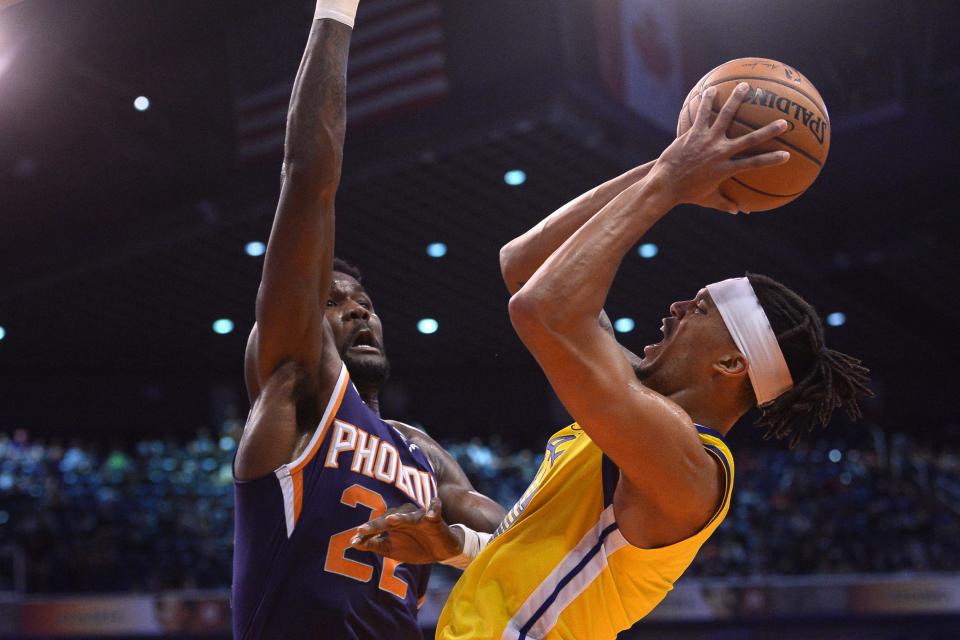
(337, 560)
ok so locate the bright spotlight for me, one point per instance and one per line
(255, 249)
(142, 103)
(223, 326)
(3, 333)
(648, 250)
(624, 325)
(428, 326)
(515, 177)
(836, 319)
(436, 249)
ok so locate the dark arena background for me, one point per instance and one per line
(140, 149)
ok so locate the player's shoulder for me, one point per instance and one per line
(412, 433)
(436, 454)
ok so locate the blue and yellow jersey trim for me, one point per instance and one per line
(715, 445)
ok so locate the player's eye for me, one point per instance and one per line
(364, 303)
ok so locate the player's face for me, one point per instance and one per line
(357, 331)
(694, 338)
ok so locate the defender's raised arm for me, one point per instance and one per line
(299, 255)
(288, 346)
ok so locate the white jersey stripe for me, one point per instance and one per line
(284, 471)
(286, 487)
(567, 581)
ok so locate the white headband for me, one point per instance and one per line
(751, 332)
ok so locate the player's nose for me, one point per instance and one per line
(354, 311)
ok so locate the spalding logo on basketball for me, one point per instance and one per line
(776, 91)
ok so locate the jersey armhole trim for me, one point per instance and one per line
(728, 479)
(289, 475)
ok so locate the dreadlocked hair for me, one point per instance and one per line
(823, 379)
(341, 265)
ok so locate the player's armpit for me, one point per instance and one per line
(650, 438)
(270, 435)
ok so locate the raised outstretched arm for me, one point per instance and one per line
(289, 332)
(299, 257)
(521, 257)
(649, 437)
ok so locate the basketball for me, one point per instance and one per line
(776, 91)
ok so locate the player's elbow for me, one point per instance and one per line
(532, 313)
(314, 164)
(524, 307)
(508, 268)
(310, 176)
(523, 313)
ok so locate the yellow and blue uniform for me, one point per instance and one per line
(558, 566)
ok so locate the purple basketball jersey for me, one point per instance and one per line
(294, 575)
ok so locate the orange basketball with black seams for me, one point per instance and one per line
(777, 91)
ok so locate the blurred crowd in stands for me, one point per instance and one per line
(78, 517)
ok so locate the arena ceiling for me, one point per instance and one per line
(124, 235)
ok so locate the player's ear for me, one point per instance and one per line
(731, 363)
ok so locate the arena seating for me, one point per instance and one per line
(85, 517)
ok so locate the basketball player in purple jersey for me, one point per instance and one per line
(315, 460)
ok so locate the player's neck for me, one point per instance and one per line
(704, 408)
(370, 396)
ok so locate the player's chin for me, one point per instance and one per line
(648, 362)
(366, 366)
(650, 352)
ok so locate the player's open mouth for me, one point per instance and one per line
(364, 342)
(666, 328)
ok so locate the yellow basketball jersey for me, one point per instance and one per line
(558, 566)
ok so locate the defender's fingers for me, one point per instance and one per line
(730, 107)
(395, 520)
(761, 135)
(769, 159)
(373, 527)
(379, 545)
(383, 523)
(434, 510)
(702, 119)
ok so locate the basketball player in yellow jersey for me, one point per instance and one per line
(626, 496)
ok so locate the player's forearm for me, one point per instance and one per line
(522, 256)
(573, 283)
(474, 510)
(316, 119)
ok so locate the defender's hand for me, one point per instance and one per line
(411, 535)
(693, 166)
